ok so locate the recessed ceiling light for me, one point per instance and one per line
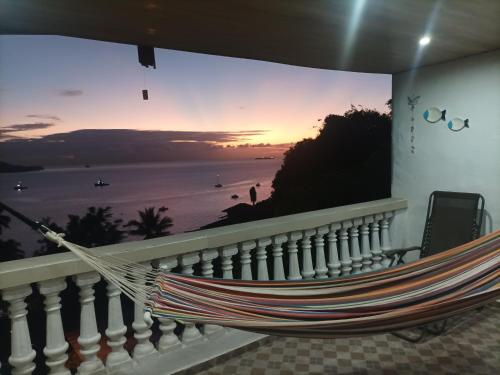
(424, 40)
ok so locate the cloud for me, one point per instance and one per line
(6, 131)
(70, 93)
(45, 117)
(107, 146)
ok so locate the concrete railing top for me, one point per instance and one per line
(25, 271)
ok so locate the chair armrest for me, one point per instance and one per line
(401, 252)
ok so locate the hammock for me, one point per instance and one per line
(433, 288)
(411, 295)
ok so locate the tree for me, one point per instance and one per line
(151, 223)
(96, 228)
(348, 162)
(9, 249)
(253, 195)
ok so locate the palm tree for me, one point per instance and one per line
(151, 223)
(96, 228)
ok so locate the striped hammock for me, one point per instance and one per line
(430, 289)
(410, 295)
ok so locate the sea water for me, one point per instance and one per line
(186, 188)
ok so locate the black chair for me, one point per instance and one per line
(452, 219)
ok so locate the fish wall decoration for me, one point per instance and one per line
(458, 124)
(434, 115)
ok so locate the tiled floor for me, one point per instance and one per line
(471, 347)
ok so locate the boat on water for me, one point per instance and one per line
(218, 184)
(19, 186)
(235, 196)
(257, 184)
(265, 158)
(100, 183)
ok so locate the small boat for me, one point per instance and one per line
(20, 186)
(100, 183)
(265, 158)
(87, 165)
(218, 184)
(257, 184)
(235, 196)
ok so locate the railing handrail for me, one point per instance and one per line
(30, 270)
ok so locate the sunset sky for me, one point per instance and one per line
(54, 84)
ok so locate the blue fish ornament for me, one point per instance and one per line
(458, 124)
(434, 115)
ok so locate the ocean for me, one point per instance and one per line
(186, 188)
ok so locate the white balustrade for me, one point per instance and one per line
(190, 332)
(333, 252)
(307, 263)
(144, 348)
(246, 259)
(262, 272)
(354, 246)
(293, 258)
(22, 354)
(89, 336)
(119, 358)
(385, 240)
(375, 243)
(365, 244)
(345, 256)
(168, 340)
(56, 345)
(227, 253)
(319, 246)
(278, 270)
(207, 270)
(357, 237)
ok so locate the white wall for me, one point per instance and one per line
(468, 160)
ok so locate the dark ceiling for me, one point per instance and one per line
(358, 35)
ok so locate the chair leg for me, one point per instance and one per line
(409, 338)
(439, 330)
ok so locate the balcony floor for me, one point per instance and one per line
(472, 347)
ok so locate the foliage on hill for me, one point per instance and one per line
(348, 162)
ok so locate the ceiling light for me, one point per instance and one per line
(424, 40)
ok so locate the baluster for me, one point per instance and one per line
(354, 245)
(262, 273)
(307, 266)
(365, 244)
(22, 354)
(144, 348)
(319, 245)
(293, 259)
(345, 256)
(278, 270)
(168, 340)
(207, 270)
(227, 253)
(375, 243)
(56, 345)
(385, 239)
(246, 259)
(190, 332)
(333, 253)
(119, 358)
(89, 337)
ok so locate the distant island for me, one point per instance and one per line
(11, 168)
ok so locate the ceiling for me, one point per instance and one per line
(378, 36)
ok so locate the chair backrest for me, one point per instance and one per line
(452, 219)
